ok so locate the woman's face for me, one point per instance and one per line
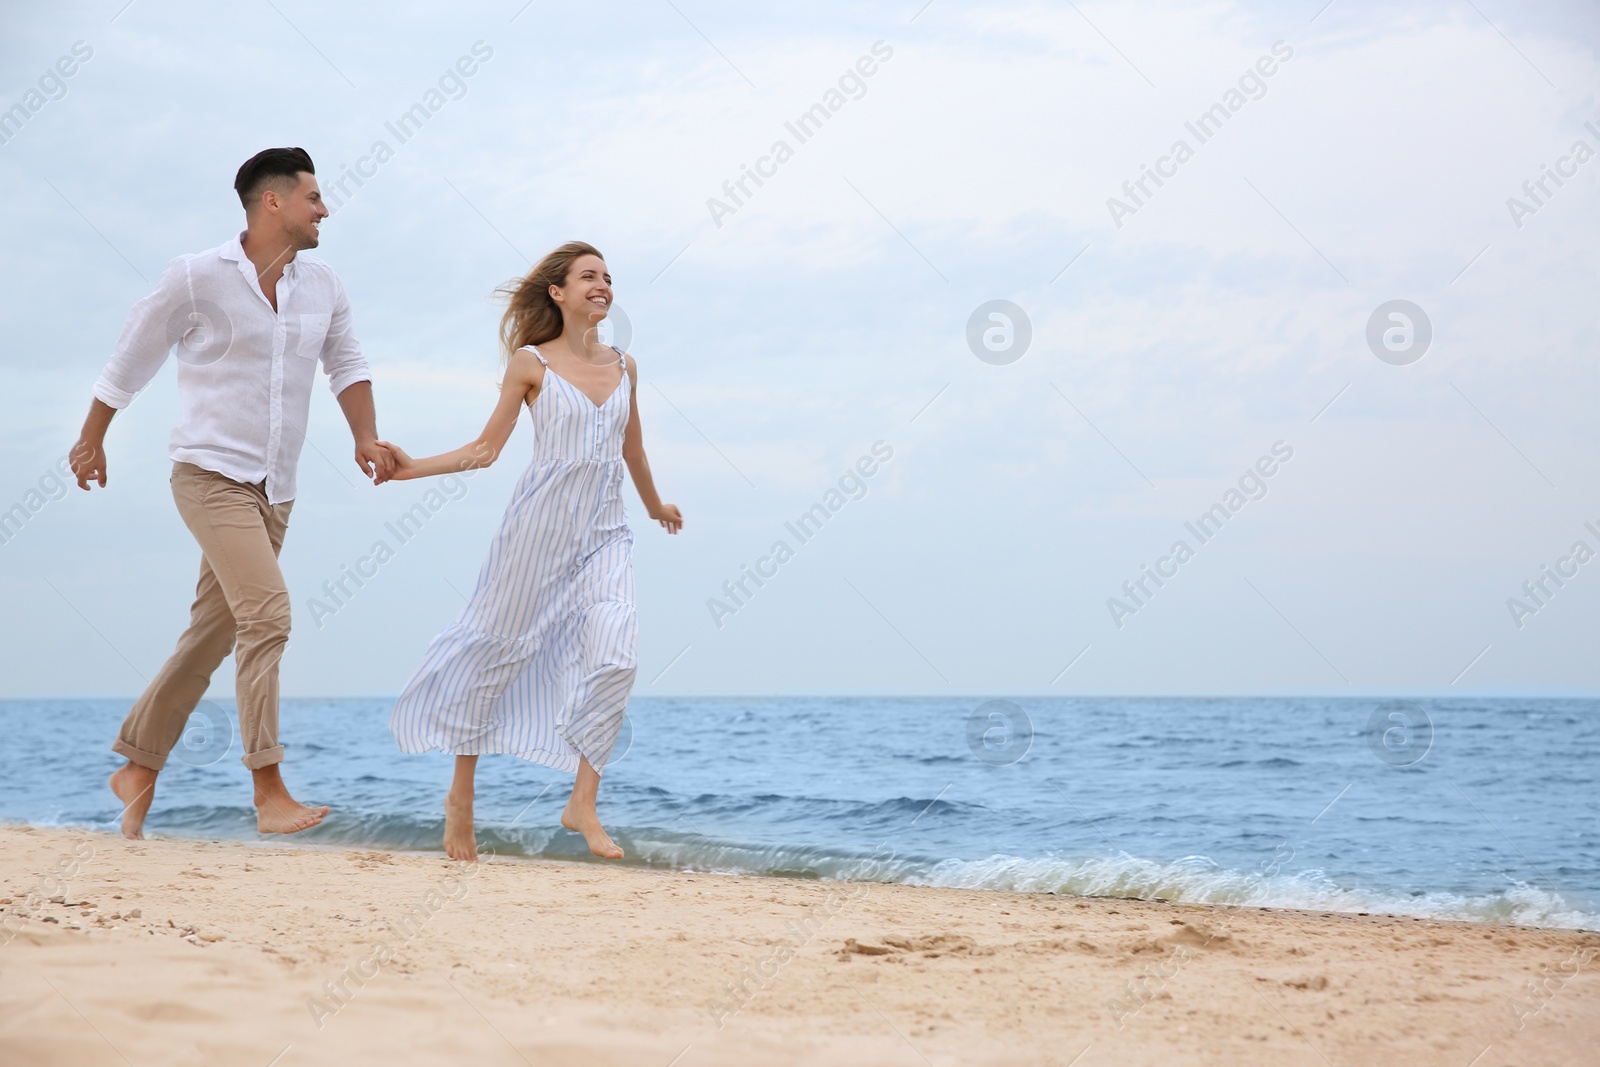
(588, 288)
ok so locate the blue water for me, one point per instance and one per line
(1470, 809)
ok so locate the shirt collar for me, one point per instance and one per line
(234, 250)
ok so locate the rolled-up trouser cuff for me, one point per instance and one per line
(265, 758)
(138, 755)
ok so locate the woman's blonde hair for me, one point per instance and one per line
(532, 317)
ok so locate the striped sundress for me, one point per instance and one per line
(541, 660)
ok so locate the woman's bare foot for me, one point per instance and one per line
(276, 811)
(459, 842)
(584, 821)
(135, 786)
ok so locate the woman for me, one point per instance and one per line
(541, 660)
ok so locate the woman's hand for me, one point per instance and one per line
(405, 468)
(668, 515)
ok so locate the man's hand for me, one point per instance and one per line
(88, 456)
(89, 463)
(404, 465)
(375, 461)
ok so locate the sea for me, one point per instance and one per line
(1480, 809)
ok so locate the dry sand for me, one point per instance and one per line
(226, 953)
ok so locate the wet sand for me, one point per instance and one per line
(217, 952)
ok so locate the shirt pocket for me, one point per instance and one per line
(313, 331)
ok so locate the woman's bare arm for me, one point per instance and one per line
(524, 376)
(639, 466)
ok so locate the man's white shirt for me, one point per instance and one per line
(245, 371)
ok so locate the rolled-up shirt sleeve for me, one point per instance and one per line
(342, 360)
(146, 339)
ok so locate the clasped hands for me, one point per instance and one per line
(382, 461)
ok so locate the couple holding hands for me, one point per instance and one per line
(541, 660)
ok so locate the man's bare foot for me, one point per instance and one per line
(459, 844)
(286, 816)
(135, 786)
(276, 811)
(587, 823)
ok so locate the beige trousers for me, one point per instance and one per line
(241, 597)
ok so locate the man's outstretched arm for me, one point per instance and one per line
(351, 381)
(89, 454)
(359, 411)
(140, 352)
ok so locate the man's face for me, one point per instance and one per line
(300, 210)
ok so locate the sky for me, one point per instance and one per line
(1159, 347)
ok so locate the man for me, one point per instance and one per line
(250, 320)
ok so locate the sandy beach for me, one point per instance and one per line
(221, 952)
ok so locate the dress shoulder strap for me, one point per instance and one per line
(622, 357)
(536, 354)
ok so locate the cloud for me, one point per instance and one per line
(829, 310)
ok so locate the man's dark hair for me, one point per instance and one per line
(263, 168)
